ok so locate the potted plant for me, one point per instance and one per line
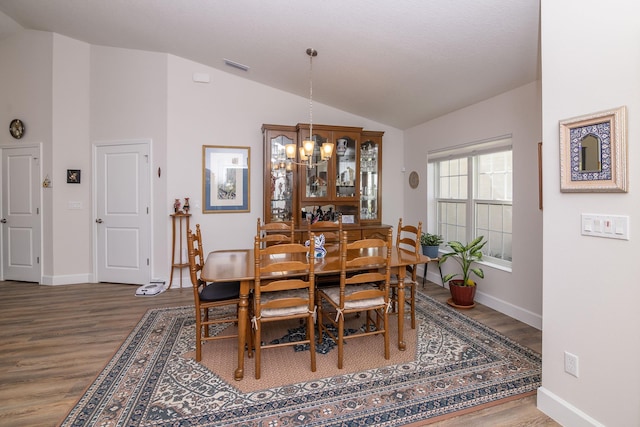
(463, 290)
(430, 244)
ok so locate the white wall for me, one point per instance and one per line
(129, 102)
(71, 150)
(517, 112)
(71, 95)
(590, 63)
(230, 111)
(26, 70)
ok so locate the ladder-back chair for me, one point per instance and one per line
(208, 296)
(365, 267)
(284, 289)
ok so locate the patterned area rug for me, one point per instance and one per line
(460, 364)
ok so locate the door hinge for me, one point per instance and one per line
(37, 211)
(147, 210)
(37, 260)
(147, 261)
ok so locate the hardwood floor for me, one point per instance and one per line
(54, 340)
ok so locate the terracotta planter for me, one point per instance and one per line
(462, 296)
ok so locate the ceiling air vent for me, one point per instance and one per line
(236, 65)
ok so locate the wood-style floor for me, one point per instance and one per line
(54, 340)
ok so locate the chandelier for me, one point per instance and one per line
(308, 145)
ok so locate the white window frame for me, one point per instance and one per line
(469, 151)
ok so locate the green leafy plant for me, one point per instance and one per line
(428, 239)
(465, 256)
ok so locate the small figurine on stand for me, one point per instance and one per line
(186, 206)
(176, 206)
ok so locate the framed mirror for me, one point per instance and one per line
(593, 152)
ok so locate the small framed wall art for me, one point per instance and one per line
(225, 180)
(593, 152)
(73, 176)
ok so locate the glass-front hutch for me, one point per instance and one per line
(370, 177)
(279, 185)
(347, 184)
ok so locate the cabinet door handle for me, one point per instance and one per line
(3, 220)
(99, 220)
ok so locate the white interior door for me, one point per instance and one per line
(21, 221)
(123, 222)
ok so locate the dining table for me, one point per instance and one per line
(239, 265)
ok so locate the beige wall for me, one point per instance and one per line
(590, 63)
(518, 113)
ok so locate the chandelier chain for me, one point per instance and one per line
(311, 95)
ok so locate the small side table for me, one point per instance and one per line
(424, 275)
(177, 245)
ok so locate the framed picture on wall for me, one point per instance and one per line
(593, 152)
(73, 176)
(225, 179)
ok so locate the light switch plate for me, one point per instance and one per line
(608, 226)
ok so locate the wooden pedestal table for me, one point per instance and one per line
(177, 243)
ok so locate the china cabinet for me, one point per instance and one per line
(347, 184)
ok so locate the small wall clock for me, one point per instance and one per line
(414, 179)
(16, 128)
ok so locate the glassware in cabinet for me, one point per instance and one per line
(279, 194)
(370, 159)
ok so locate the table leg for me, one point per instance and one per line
(402, 345)
(243, 321)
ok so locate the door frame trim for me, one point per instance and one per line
(94, 201)
(37, 145)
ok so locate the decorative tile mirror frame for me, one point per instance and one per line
(593, 152)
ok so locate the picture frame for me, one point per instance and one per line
(73, 176)
(593, 152)
(225, 179)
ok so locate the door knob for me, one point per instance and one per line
(99, 220)
(3, 220)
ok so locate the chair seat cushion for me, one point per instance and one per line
(267, 297)
(334, 295)
(220, 291)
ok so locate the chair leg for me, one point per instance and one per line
(312, 341)
(320, 325)
(340, 340)
(257, 349)
(249, 340)
(413, 306)
(385, 317)
(206, 322)
(198, 337)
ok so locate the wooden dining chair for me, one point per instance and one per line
(273, 233)
(207, 296)
(332, 230)
(407, 238)
(284, 290)
(365, 268)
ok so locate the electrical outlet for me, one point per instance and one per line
(571, 364)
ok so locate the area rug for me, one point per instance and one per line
(459, 365)
(283, 366)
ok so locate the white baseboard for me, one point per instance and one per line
(71, 279)
(518, 313)
(562, 411)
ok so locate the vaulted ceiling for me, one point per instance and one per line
(397, 62)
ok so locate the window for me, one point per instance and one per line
(473, 195)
